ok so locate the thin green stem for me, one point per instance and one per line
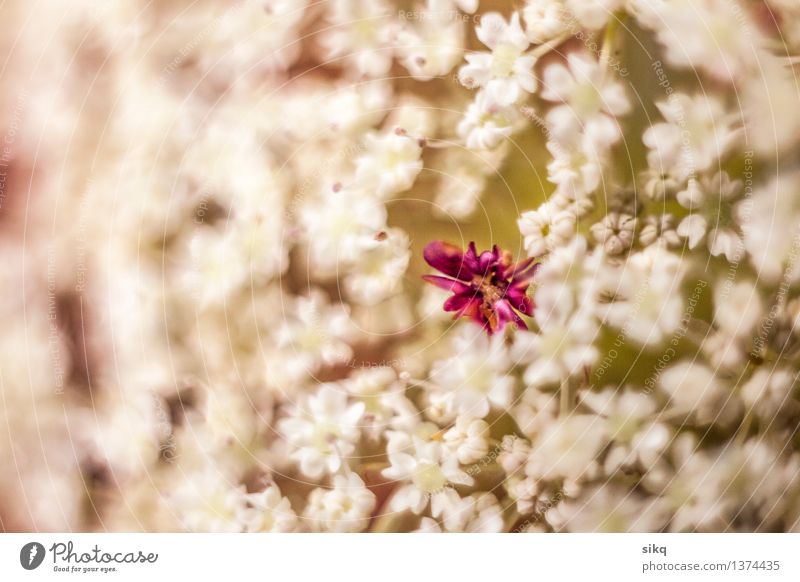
(546, 47)
(608, 43)
(744, 428)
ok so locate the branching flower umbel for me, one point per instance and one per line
(487, 287)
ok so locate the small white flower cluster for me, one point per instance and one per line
(215, 318)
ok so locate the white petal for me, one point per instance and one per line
(491, 29)
(693, 227)
(477, 71)
(557, 83)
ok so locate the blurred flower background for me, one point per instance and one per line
(213, 216)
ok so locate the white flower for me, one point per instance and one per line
(506, 72)
(259, 238)
(578, 205)
(314, 333)
(468, 6)
(126, 438)
(694, 390)
(561, 349)
(710, 200)
(379, 270)
(334, 225)
(710, 489)
(268, 511)
(568, 270)
(693, 228)
(414, 115)
(768, 393)
(370, 381)
(477, 375)
(770, 226)
(427, 471)
(230, 163)
(385, 403)
(711, 35)
(206, 500)
(526, 493)
(737, 309)
(479, 513)
(610, 508)
(544, 19)
(323, 431)
(227, 415)
(615, 232)
(463, 177)
(271, 27)
(486, 123)
(647, 304)
(346, 507)
(575, 171)
(434, 45)
(767, 130)
(468, 439)
(709, 191)
(725, 242)
(666, 157)
(546, 228)
(360, 35)
(692, 196)
(697, 132)
(591, 101)
(594, 14)
(638, 438)
(570, 280)
(514, 453)
(391, 164)
(353, 109)
(215, 266)
(428, 525)
(534, 411)
(568, 449)
(659, 229)
(659, 184)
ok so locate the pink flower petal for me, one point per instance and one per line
(446, 258)
(447, 284)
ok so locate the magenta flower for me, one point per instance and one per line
(488, 288)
